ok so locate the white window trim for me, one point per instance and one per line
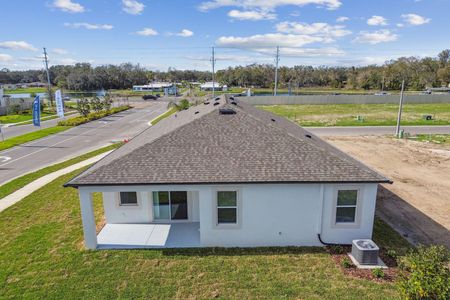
(238, 206)
(137, 205)
(169, 220)
(358, 210)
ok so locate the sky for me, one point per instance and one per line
(180, 34)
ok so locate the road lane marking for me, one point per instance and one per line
(4, 158)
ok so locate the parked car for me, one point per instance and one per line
(149, 97)
(382, 94)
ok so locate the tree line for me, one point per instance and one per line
(418, 73)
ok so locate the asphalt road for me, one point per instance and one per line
(377, 130)
(12, 131)
(35, 155)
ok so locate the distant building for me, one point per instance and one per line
(22, 85)
(153, 87)
(208, 86)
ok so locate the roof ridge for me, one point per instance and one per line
(86, 172)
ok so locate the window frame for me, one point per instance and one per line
(216, 207)
(128, 204)
(358, 207)
(170, 220)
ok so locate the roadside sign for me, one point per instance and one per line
(59, 104)
(37, 111)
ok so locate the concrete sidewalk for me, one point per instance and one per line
(40, 182)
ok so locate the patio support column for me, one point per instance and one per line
(87, 216)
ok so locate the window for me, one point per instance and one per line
(227, 207)
(170, 205)
(128, 198)
(346, 206)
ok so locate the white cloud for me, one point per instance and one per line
(231, 58)
(132, 7)
(185, 33)
(60, 51)
(89, 26)
(147, 32)
(267, 4)
(251, 15)
(268, 40)
(342, 19)
(68, 6)
(377, 21)
(5, 57)
(415, 20)
(17, 45)
(304, 52)
(329, 32)
(376, 37)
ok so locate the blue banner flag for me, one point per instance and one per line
(37, 111)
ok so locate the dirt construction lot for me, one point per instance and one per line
(417, 204)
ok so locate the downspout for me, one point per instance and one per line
(319, 225)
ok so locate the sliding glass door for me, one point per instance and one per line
(170, 205)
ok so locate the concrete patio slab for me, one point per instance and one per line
(127, 236)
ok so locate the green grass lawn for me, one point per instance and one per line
(164, 115)
(42, 256)
(26, 91)
(372, 114)
(20, 182)
(443, 139)
(21, 118)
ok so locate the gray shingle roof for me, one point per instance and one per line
(251, 146)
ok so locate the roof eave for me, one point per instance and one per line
(76, 185)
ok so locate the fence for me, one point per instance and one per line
(344, 99)
(11, 106)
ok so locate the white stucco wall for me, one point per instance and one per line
(143, 212)
(270, 214)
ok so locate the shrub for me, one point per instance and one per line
(91, 116)
(392, 253)
(83, 107)
(337, 249)
(96, 104)
(107, 102)
(346, 263)
(378, 273)
(425, 273)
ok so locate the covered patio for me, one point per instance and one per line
(127, 236)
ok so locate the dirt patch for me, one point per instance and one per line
(417, 204)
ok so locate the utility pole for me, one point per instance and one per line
(213, 62)
(277, 60)
(400, 107)
(49, 88)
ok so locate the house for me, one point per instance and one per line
(208, 86)
(153, 87)
(227, 174)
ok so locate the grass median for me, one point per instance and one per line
(29, 137)
(42, 256)
(163, 116)
(323, 115)
(18, 183)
